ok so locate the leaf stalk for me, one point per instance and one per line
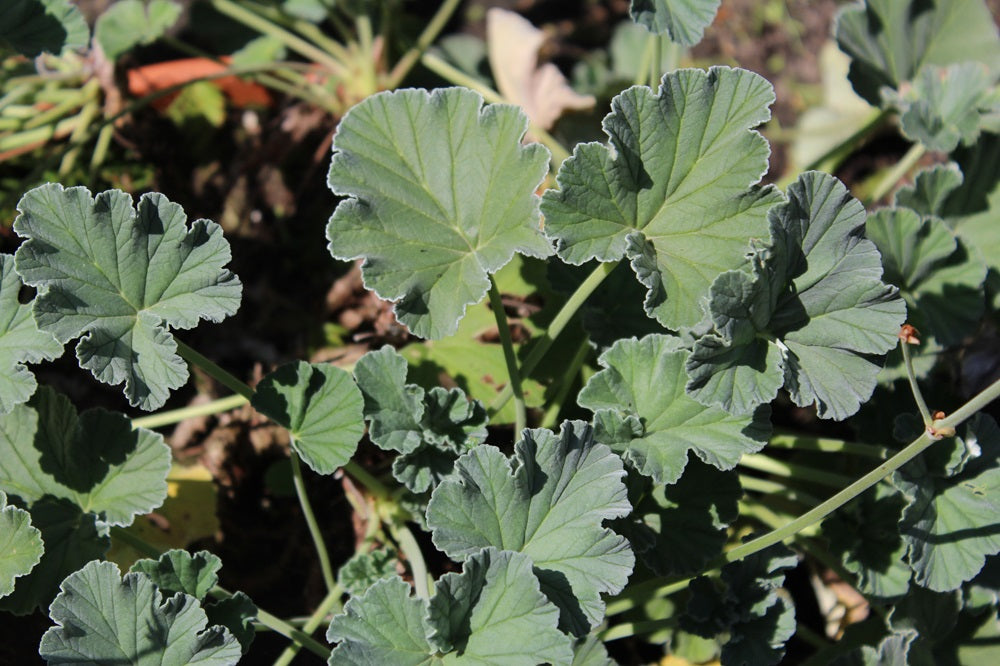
(317, 535)
(510, 356)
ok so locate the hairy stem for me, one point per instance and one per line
(825, 445)
(329, 605)
(173, 416)
(898, 172)
(411, 550)
(796, 471)
(918, 396)
(426, 38)
(559, 322)
(314, 531)
(362, 476)
(552, 413)
(214, 371)
(510, 356)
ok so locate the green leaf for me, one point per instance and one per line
(430, 429)
(102, 618)
(95, 460)
(940, 281)
(180, 571)
(71, 538)
(20, 341)
(683, 20)
(677, 529)
(548, 502)
(865, 536)
(810, 316)
(746, 607)
(21, 545)
(441, 194)
(946, 106)
(237, 614)
(320, 406)
(33, 26)
(122, 278)
(672, 192)
(891, 40)
(590, 651)
(129, 23)
(947, 524)
(894, 650)
(364, 569)
(670, 423)
(383, 626)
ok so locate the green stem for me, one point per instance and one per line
(173, 416)
(627, 629)
(303, 28)
(559, 322)
(272, 622)
(646, 60)
(767, 487)
(314, 531)
(361, 475)
(898, 172)
(411, 550)
(213, 370)
(293, 42)
(453, 75)
(825, 445)
(325, 608)
(367, 61)
(426, 38)
(510, 356)
(655, 588)
(918, 396)
(552, 413)
(794, 471)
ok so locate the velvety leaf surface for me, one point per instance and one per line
(809, 317)
(891, 40)
(590, 651)
(440, 194)
(431, 429)
(121, 278)
(946, 106)
(364, 569)
(129, 23)
(948, 523)
(644, 380)
(180, 571)
(33, 26)
(383, 626)
(96, 460)
(20, 341)
(548, 502)
(683, 20)
(103, 618)
(494, 613)
(321, 407)
(21, 545)
(672, 192)
(937, 276)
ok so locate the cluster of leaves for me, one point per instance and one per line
(741, 291)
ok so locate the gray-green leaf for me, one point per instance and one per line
(440, 195)
(672, 192)
(321, 407)
(180, 571)
(645, 379)
(102, 618)
(121, 278)
(130, 23)
(21, 545)
(684, 20)
(548, 502)
(20, 341)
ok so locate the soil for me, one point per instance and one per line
(263, 177)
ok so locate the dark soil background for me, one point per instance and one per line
(263, 177)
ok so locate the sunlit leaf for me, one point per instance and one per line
(21, 544)
(130, 23)
(683, 20)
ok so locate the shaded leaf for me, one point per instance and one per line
(20, 341)
(809, 317)
(180, 571)
(33, 26)
(235, 613)
(441, 194)
(644, 380)
(101, 617)
(130, 23)
(949, 523)
(683, 20)
(21, 545)
(672, 192)
(121, 278)
(548, 502)
(321, 407)
(364, 569)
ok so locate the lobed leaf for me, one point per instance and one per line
(364, 569)
(20, 341)
(548, 502)
(34, 26)
(947, 524)
(101, 617)
(321, 408)
(21, 545)
(683, 20)
(180, 571)
(440, 195)
(121, 278)
(809, 317)
(643, 382)
(130, 23)
(672, 192)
